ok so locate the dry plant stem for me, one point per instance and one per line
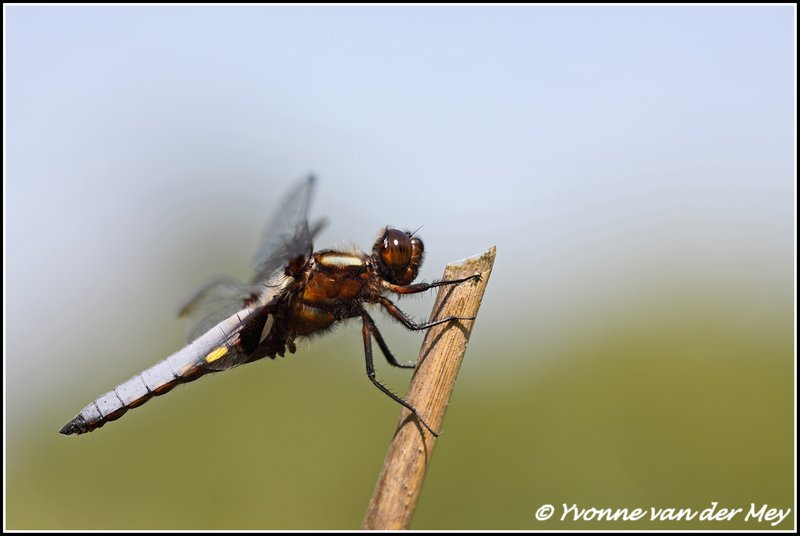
(396, 493)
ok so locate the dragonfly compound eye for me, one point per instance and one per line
(396, 249)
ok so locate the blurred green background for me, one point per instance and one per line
(634, 167)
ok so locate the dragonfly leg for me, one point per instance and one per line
(422, 287)
(404, 319)
(366, 332)
(384, 348)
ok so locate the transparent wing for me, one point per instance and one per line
(214, 302)
(287, 236)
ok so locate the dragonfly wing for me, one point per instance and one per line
(287, 236)
(214, 302)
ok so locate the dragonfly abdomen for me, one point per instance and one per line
(220, 348)
(181, 367)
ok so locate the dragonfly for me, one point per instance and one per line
(294, 293)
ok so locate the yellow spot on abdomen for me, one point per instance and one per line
(216, 354)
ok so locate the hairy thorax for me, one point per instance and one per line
(333, 290)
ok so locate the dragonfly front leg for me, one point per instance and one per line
(422, 287)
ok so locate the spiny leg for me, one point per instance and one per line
(367, 334)
(422, 287)
(404, 319)
(385, 349)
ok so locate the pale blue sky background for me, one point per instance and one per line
(611, 153)
(591, 145)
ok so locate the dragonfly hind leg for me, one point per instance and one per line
(367, 332)
(384, 348)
